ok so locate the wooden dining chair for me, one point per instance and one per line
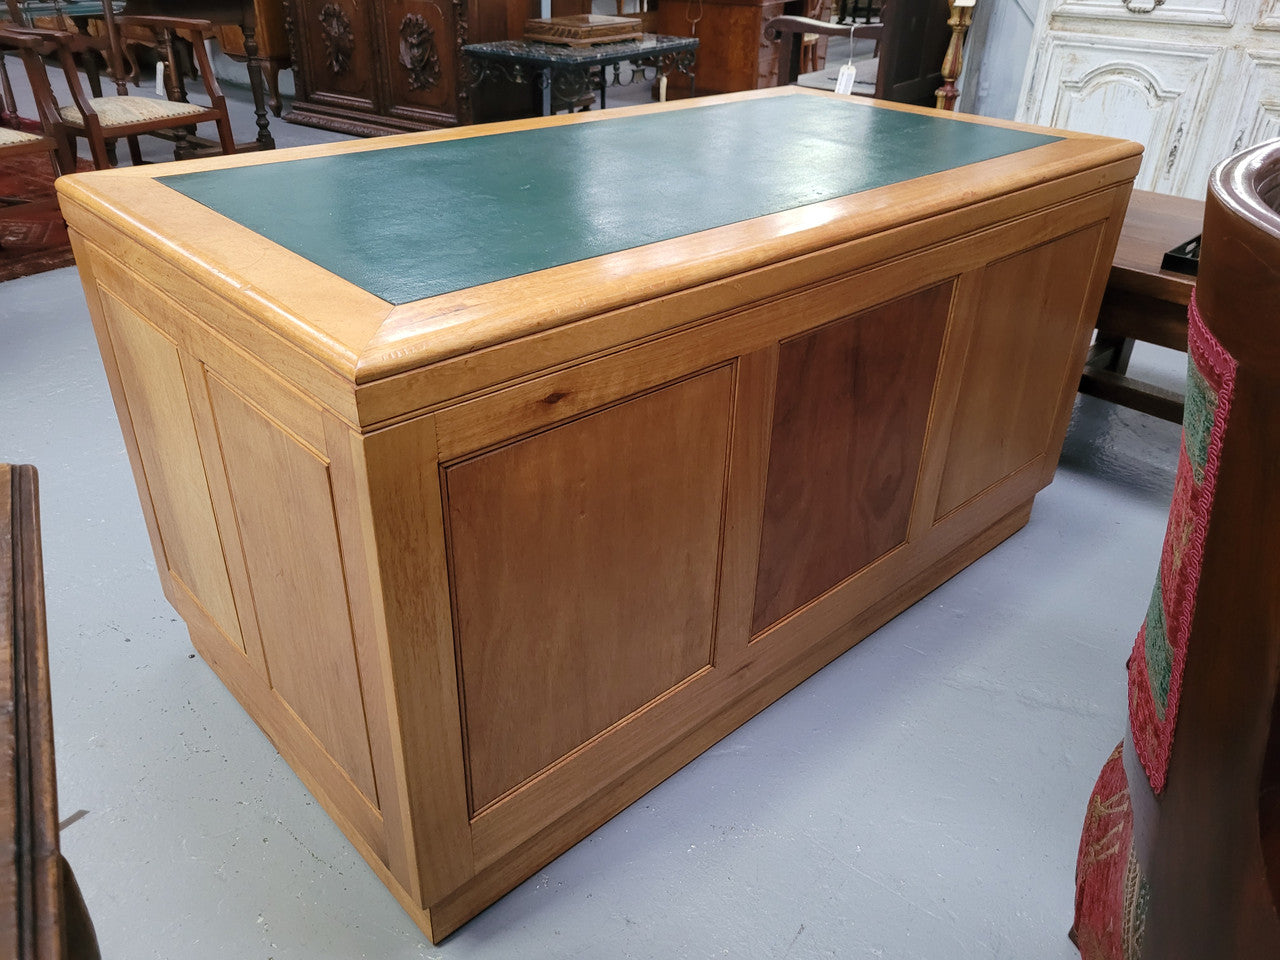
(1180, 854)
(19, 143)
(101, 120)
(911, 43)
(91, 22)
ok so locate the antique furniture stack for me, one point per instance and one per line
(496, 494)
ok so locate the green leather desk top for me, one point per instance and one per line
(415, 221)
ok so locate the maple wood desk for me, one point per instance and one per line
(496, 494)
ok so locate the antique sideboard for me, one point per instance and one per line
(496, 494)
(377, 68)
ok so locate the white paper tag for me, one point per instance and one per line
(844, 80)
(160, 78)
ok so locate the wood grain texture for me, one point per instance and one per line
(151, 374)
(1015, 370)
(405, 514)
(284, 508)
(584, 563)
(849, 417)
(732, 53)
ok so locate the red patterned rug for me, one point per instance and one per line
(35, 240)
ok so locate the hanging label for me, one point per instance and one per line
(844, 80)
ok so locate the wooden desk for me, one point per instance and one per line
(1143, 302)
(563, 482)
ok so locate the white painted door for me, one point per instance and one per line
(1192, 80)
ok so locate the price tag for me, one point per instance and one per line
(845, 78)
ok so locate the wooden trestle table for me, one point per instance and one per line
(500, 471)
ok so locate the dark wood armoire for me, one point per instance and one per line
(370, 67)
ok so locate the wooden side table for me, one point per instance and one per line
(1143, 302)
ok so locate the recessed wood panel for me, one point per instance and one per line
(284, 508)
(160, 411)
(584, 567)
(1019, 354)
(849, 418)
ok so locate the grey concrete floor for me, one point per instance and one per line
(921, 797)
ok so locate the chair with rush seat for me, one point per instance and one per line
(1180, 854)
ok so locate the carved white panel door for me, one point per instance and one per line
(1192, 80)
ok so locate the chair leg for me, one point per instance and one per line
(225, 137)
(181, 148)
(98, 150)
(135, 150)
(64, 156)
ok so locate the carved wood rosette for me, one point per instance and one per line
(418, 53)
(339, 40)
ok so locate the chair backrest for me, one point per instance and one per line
(1204, 764)
(912, 42)
(70, 15)
(33, 46)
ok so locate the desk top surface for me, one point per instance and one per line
(421, 220)
(342, 253)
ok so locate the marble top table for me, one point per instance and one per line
(575, 73)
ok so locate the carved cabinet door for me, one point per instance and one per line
(334, 54)
(1192, 80)
(421, 43)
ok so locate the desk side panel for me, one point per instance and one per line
(1023, 349)
(851, 389)
(237, 488)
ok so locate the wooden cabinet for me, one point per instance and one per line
(491, 536)
(371, 67)
(733, 53)
(1193, 80)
